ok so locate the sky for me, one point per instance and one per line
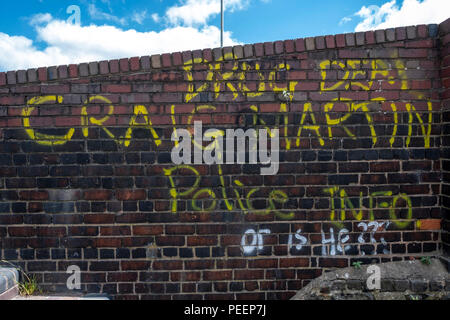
(36, 33)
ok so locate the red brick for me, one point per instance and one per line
(122, 277)
(116, 88)
(296, 75)
(66, 121)
(259, 49)
(2, 78)
(98, 218)
(429, 224)
(126, 195)
(427, 43)
(263, 263)
(42, 74)
(248, 274)
(166, 62)
(135, 64)
(55, 88)
(370, 37)
(33, 195)
(12, 100)
(199, 264)
(180, 229)
(268, 48)
(333, 262)
(353, 53)
(177, 59)
(279, 47)
(114, 66)
(329, 40)
(106, 243)
(400, 33)
(422, 31)
(217, 275)
(135, 265)
(148, 230)
(170, 241)
(115, 231)
(167, 265)
(340, 40)
(413, 53)
(186, 276)
(21, 231)
(193, 241)
(124, 65)
(51, 232)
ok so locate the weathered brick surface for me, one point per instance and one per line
(87, 179)
(444, 59)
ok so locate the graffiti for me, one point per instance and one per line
(362, 69)
(244, 203)
(334, 242)
(340, 244)
(300, 240)
(139, 111)
(257, 242)
(378, 199)
(250, 80)
(234, 80)
(342, 238)
(375, 226)
(311, 125)
(214, 152)
(44, 139)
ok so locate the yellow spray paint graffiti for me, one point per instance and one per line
(235, 81)
(86, 120)
(346, 205)
(41, 138)
(360, 75)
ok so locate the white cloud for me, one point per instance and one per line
(197, 12)
(411, 12)
(155, 17)
(96, 14)
(139, 17)
(68, 43)
(344, 20)
(40, 18)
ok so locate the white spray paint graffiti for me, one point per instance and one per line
(342, 238)
(257, 241)
(337, 243)
(375, 226)
(302, 240)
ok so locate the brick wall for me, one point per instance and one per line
(87, 179)
(444, 33)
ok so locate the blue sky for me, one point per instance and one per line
(37, 32)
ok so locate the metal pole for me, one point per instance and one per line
(221, 23)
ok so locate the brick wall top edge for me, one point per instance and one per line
(167, 60)
(444, 27)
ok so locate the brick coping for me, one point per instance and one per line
(247, 51)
